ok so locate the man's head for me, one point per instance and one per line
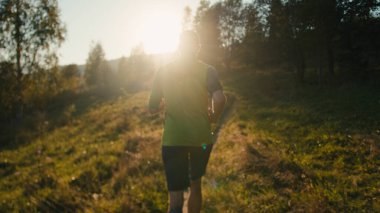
(189, 44)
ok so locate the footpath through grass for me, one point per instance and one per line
(281, 149)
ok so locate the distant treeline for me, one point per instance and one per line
(330, 37)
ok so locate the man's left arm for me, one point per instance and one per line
(217, 96)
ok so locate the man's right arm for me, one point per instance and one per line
(216, 92)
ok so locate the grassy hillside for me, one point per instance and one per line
(280, 148)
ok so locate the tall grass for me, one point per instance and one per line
(280, 148)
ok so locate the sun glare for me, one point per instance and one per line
(160, 33)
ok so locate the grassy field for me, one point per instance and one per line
(280, 149)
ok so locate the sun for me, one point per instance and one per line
(160, 33)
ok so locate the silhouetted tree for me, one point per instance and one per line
(277, 23)
(232, 27)
(7, 88)
(358, 37)
(186, 20)
(288, 31)
(206, 23)
(136, 70)
(30, 31)
(122, 68)
(97, 70)
(252, 51)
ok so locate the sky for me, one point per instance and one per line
(120, 25)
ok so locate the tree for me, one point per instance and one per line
(186, 20)
(206, 24)
(139, 68)
(232, 27)
(288, 29)
(252, 22)
(318, 21)
(251, 51)
(70, 71)
(7, 88)
(41, 86)
(122, 66)
(124, 69)
(278, 28)
(97, 70)
(204, 5)
(30, 32)
(358, 32)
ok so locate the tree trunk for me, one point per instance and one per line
(320, 67)
(18, 41)
(301, 71)
(300, 65)
(228, 59)
(330, 60)
(18, 38)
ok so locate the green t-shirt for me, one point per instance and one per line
(185, 90)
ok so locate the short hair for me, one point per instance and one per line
(190, 36)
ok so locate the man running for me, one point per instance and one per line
(184, 88)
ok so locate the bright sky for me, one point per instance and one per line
(120, 25)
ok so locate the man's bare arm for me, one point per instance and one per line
(218, 102)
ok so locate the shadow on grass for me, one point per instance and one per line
(276, 103)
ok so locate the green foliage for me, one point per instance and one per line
(40, 87)
(30, 32)
(231, 22)
(68, 113)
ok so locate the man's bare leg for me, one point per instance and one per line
(195, 198)
(175, 201)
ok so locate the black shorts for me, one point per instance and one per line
(184, 163)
